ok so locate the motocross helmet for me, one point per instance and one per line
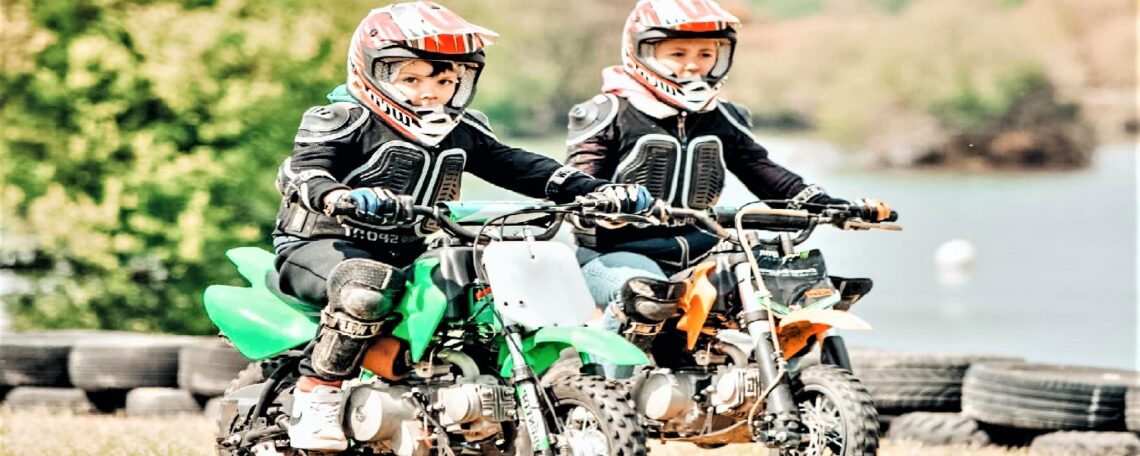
(391, 36)
(655, 20)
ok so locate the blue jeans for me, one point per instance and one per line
(605, 276)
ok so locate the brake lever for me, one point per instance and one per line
(861, 225)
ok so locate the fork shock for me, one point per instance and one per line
(782, 416)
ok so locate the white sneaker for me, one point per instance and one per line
(315, 421)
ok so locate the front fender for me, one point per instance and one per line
(542, 348)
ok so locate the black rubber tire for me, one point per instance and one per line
(856, 410)
(1132, 409)
(37, 358)
(227, 424)
(933, 428)
(568, 364)
(1086, 444)
(125, 362)
(108, 401)
(1047, 397)
(207, 368)
(34, 397)
(907, 382)
(161, 402)
(608, 402)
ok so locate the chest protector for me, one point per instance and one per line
(687, 175)
(408, 169)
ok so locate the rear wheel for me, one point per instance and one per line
(597, 416)
(838, 413)
(236, 404)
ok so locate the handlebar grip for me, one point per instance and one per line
(344, 206)
(770, 222)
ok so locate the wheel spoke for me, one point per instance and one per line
(825, 425)
(583, 433)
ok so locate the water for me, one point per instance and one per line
(1055, 275)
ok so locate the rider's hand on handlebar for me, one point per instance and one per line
(623, 198)
(375, 204)
(824, 199)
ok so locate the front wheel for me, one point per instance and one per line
(838, 412)
(598, 418)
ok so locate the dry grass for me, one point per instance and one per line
(39, 433)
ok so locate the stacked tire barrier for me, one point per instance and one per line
(954, 399)
(928, 398)
(109, 372)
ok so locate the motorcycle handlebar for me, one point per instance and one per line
(766, 219)
(442, 216)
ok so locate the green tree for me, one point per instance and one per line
(140, 142)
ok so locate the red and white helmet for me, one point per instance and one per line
(654, 20)
(391, 36)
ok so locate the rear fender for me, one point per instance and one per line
(259, 324)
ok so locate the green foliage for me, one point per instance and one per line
(142, 136)
(141, 147)
(969, 109)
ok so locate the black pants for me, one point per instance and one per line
(304, 268)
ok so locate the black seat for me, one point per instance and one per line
(850, 290)
(273, 283)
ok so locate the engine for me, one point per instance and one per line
(389, 416)
(690, 403)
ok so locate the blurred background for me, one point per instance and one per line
(140, 140)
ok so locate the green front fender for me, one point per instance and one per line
(543, 348)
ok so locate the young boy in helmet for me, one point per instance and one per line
(401, 136)
(659, 122)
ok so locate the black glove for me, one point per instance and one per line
(812, 198)
(827, 200)
(625, 198)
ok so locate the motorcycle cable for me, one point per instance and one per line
(480, 272)
(445, 441)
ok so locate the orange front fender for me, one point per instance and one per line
(797, 327)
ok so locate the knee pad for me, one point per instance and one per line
(361, 292)
(649, 300)
(364, 289)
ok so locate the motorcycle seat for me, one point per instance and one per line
(273, 284)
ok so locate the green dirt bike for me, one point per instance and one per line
(458, 373)
(738, 361)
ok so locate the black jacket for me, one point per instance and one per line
(608, 128)
(338, 146)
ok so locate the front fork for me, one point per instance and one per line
(780, 424)
(526, 388)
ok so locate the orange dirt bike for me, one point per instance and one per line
(736, 361)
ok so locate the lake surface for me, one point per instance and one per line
(1054, 277)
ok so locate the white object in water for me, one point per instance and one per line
(954, 254)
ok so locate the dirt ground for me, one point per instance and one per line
(29, 433)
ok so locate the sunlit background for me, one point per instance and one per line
(140, 141)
